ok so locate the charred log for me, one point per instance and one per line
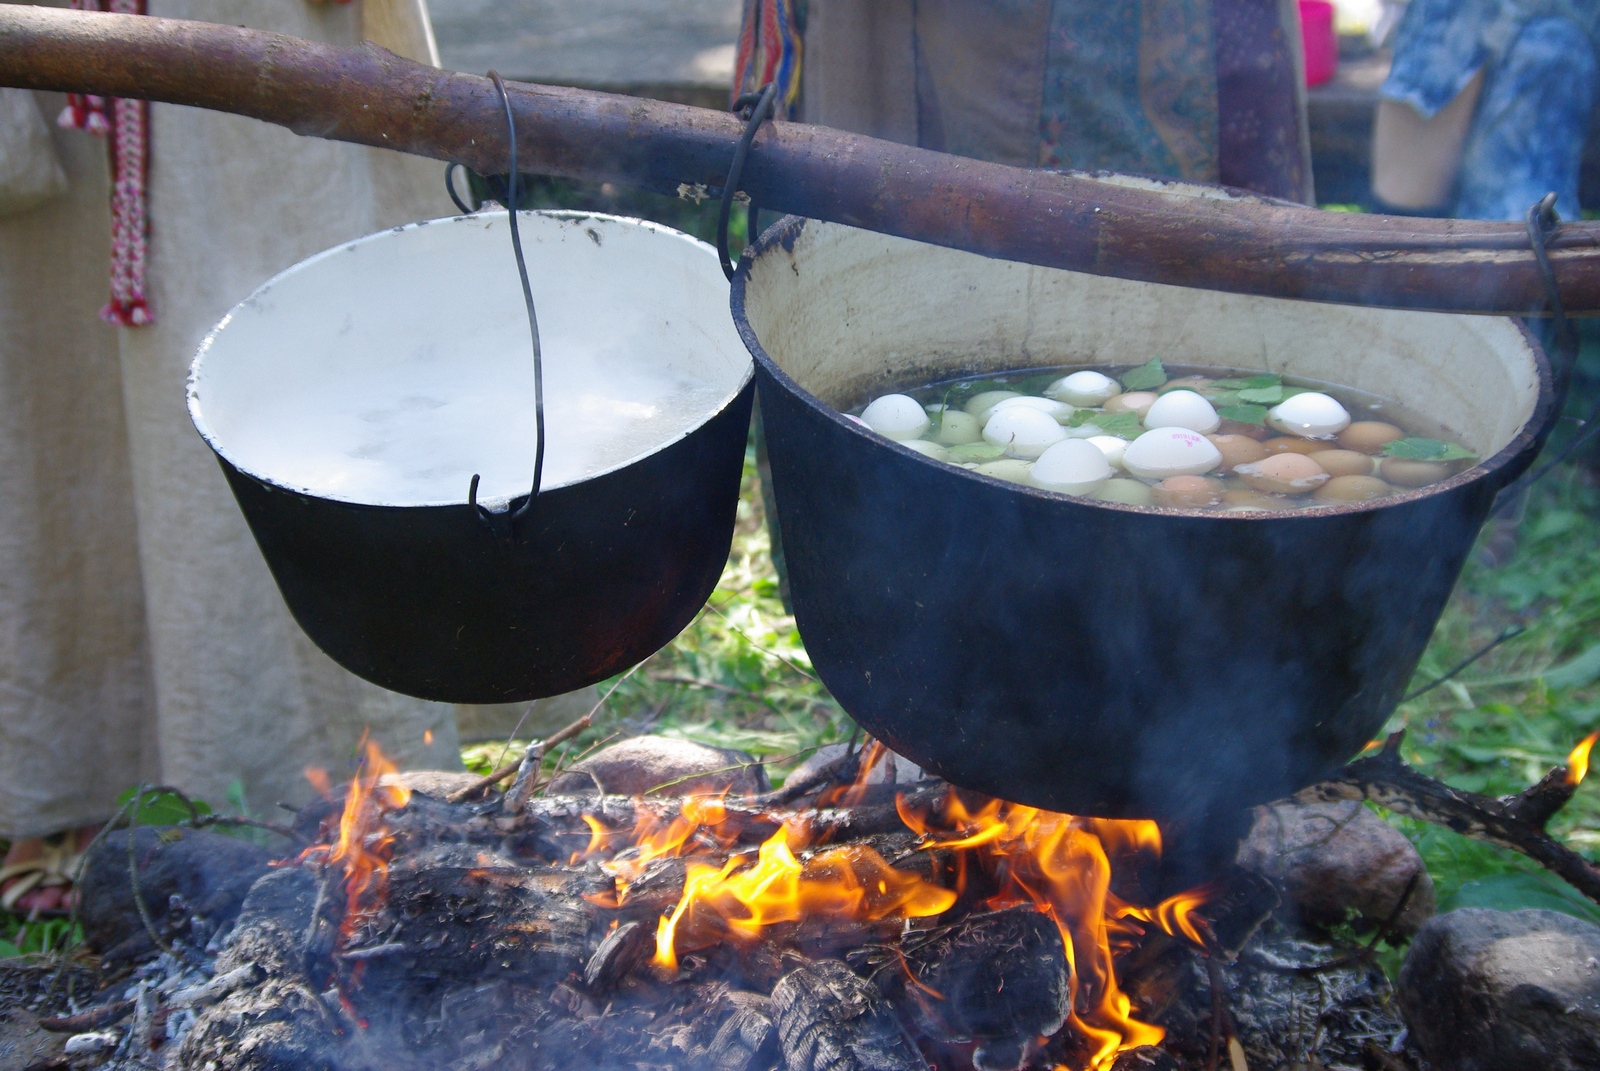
(829, 1019)
(999, 980)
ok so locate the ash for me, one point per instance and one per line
(497, 945)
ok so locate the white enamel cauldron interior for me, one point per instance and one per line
(850, 314)
(391, 369)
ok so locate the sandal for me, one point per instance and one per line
(44, 884)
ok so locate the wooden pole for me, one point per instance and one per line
(1134, 231)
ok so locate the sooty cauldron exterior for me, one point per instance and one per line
(424, 597)
(1081, 656)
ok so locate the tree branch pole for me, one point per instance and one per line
(369, 96)
(1514, 822)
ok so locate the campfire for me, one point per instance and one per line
(843, 922)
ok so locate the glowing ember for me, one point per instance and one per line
(1578, 760)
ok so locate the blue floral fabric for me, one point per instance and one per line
(1527, 136)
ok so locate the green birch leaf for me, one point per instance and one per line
(1244, 414)
(1147, 376)
(1122, 425)
(1252, 383)
(1419, 449)
(1262, 395)
(1036, 384)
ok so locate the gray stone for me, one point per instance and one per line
(666, 766)
(435, 783)
(1485, 990)
(1331, 858)
(903, 769)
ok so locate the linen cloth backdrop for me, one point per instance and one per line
(141, 635)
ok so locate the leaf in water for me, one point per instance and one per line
(1244, 414)
(1262, 395)
(1037, 384)
(1122, 425)
(976, 452)
(1252, 382)
(1225, 397)
(8, 950)
(1513, 892)
(1576, 671)
(1417, 449)
(1147, 376)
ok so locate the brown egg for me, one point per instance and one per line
(1198, 384)
(1187, 492)
(1284, 474)
(1293, 444)
(1368, 436)
(1398, 470)
(1343, 462)
(1246, 498)
(1237, 450)
(1351, 489)
(1249, 431)
(1138, 401)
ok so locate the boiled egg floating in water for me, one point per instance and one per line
(1085, 389)
(956, 428)
(1312, 415)
(896, 416)
(1113, 446)
(1060, 412)
(1072, 467)
(1182, 409)
(982, 404)
(1163, 452)
(1022, 431)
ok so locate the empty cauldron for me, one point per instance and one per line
(1084, 656)
(352, 399)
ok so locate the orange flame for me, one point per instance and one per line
(1060, 864)
(364, 845)
(742, 899)
(1578, 760)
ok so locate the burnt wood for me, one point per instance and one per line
(369, 96)
(829, 1019)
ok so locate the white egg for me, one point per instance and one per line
(1182, 409)
(1113, 446)
(1009, 470)
(1163, 452)
(1060, 412)
(923, 446)
(955, 428)
(1312, 415)
(1022, 432)
(1085, 389)
(896, 416)
(1073, 467)
(1128, 492)
(982, 404)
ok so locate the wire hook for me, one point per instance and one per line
(512, 199)
(761, 104)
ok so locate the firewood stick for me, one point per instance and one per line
(1516, 822)
(371, 97)
(489, 779)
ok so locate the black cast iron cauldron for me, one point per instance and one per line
(1087, 657)
(408, 352)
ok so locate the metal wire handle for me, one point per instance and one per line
(533, 324)
(761, 109)
(1542, 221)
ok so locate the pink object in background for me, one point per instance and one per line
(1321, 42)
